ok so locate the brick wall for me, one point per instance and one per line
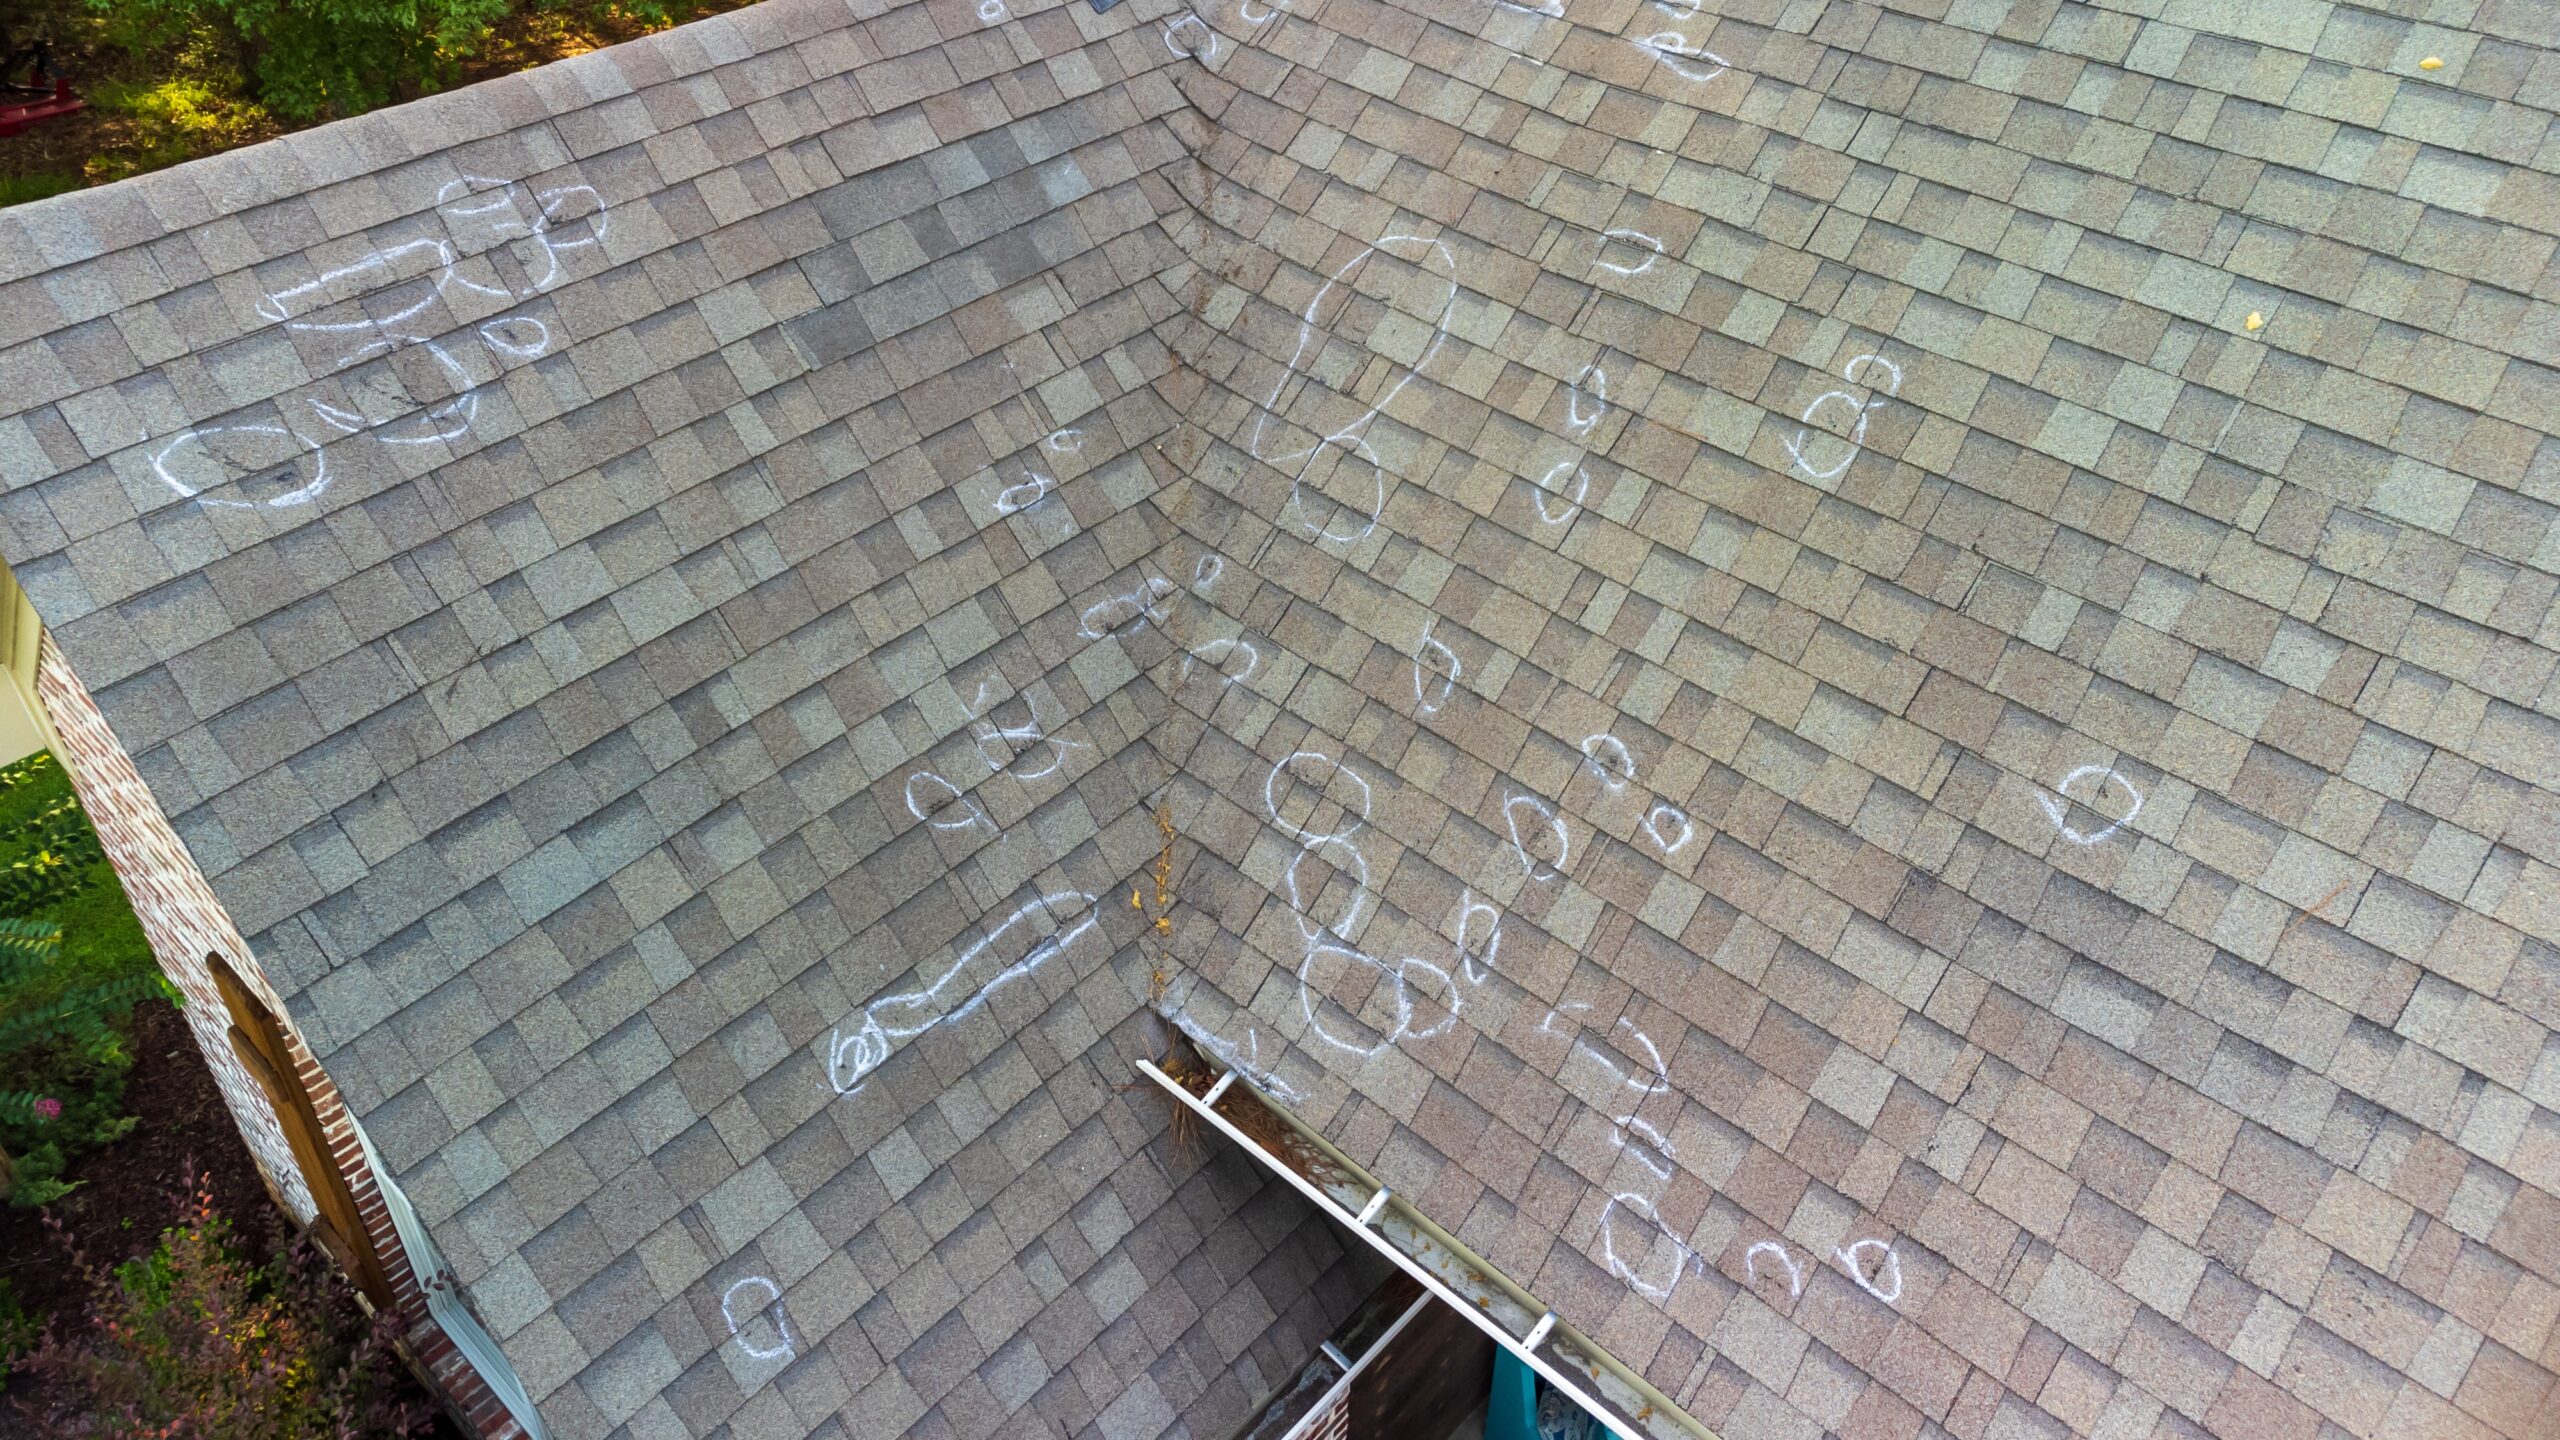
(178, 911)
(184, 923)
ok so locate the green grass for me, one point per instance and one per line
(19, 189)
(101, 940)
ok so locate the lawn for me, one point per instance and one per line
(73, 964)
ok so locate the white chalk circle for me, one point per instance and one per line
(1557, 486)
(1030, 490)
(1001, 747)
(1343, 959)
(1295, 768)
(1860, 411)
(1553, 824)
(1751, 1265)
(1667, 825)
(1130, 613)
(1651, 1148)
(1611, 760)
(1886, 1282)
(785, 1345)
(1664, 1257)
(2060, 808)
(929, 796)
(1198, 39)
(1587, 399)
(1475, 964)
(197, 463)
(1648, 248)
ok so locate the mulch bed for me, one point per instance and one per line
(125, 1198)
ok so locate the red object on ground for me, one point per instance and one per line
(16, 115)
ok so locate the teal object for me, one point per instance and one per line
(1511, 1412)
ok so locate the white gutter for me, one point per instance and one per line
(479, 1349)
(1524, 1347)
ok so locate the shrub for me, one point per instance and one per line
(198, 1340)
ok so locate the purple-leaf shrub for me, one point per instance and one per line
(199, 1341)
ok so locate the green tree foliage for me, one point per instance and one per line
(310, 59)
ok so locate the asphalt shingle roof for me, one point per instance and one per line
(1868, 689)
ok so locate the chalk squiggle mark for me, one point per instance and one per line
(1353, 437)
(787, 1345)
(1135, 610)
(1857, 436)
(432, 267)
(2060, 810)
(1683, 56)
(1001, 747)
(895, 1018)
